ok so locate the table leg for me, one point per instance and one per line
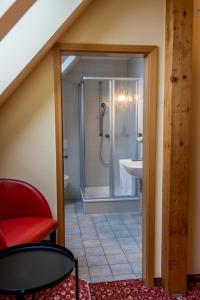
(77, 281)
(20, 296)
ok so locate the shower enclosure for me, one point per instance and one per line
(109, 127)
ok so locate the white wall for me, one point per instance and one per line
(136, 22)
(27, 135)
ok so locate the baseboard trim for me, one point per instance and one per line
(191, 278)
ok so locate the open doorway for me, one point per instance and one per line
(149, 53)
(103, 162)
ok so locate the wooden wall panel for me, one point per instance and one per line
(176, 145)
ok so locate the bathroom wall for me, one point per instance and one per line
(136, 69)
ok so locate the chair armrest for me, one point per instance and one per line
(20, 199)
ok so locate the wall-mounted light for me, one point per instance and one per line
(125, 98)
(121, 98)
(130, 99)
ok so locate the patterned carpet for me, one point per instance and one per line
(132, 289)
(63, 291)
(135, 290)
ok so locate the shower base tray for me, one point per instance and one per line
(102, 206)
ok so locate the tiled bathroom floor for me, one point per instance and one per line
(108, 246)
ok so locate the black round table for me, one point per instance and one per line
(28, 268)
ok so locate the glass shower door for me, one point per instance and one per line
(124, 135)
(96, 158)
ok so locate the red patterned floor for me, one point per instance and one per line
(114, 290)
(135, 290)
(63, 291)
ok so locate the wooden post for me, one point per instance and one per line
(176, 145)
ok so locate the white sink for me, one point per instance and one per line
(133, 167)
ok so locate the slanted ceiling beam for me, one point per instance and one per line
(176, 145)
(13, 14)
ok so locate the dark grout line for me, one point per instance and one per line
(81, 239)
(122, 248)
(103, 248)
(122, 252)
(83, 245)
(98, 235)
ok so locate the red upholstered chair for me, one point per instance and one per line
(25, 216)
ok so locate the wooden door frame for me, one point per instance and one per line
(150, 54)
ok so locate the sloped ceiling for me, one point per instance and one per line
(5, 5)
(32, 36)
(10, 12)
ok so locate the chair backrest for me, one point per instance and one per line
(19, 198)
(2, 241)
